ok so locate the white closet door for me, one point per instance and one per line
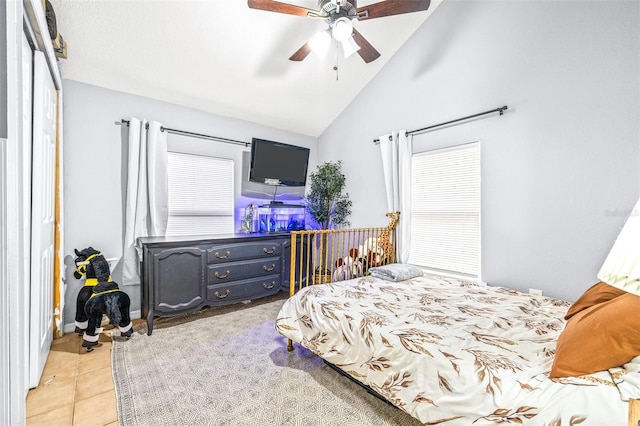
(42, 217)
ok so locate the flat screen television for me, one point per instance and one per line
(276, 163)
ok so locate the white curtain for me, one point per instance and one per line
(396, 149)
(147, 197)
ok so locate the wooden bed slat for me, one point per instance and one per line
(634, 412)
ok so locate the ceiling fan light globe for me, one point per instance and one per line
(349, 47)
(320, 42)
(342, 29)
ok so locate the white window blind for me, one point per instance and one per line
(200, 195)
(445, 209)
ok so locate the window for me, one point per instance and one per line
(200, 195)
(445, 209)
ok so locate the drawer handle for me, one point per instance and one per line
(227, 254)
(273, 250)
(267, 286)
(222, 296)
(222, 276)
(269, 269)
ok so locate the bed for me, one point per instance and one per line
(452, 352)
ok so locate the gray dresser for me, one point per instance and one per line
(183, 274)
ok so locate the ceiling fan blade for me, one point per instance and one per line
(301, 53)
(276, 6)
(367, 52)
(391, 7)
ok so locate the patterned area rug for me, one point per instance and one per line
(230, 367)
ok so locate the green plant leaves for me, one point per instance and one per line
(325, 202)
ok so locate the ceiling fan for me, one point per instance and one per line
(339, 15)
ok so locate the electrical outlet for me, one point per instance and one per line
(535, 291)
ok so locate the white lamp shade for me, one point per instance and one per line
(621, 268)
(320, 42)
(342, 29)
(349, 47)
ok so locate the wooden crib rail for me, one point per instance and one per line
(329, 255)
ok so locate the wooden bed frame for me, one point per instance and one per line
(634, 412)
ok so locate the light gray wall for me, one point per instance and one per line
(93, 166)
(558, 169)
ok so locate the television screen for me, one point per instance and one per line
(252, 189)
(275, 163)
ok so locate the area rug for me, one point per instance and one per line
(230, 367)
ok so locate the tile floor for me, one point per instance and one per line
(76, 387)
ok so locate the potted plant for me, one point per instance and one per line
(327, 205)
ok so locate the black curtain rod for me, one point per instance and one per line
(194, 135)
(424, 129)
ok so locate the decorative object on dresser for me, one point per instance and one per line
(280, 217)
(183, 274)
(249, 222)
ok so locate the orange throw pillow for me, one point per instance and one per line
(600, 337)
(597, 293)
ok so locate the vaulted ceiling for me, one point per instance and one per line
(222, 57)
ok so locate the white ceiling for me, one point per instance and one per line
(221, 57)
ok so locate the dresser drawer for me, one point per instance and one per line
(239, 251)
(243, 290)
(232, 271)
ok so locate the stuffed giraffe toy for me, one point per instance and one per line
(376, 251)
(388, 247)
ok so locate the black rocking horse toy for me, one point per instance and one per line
(100, 295)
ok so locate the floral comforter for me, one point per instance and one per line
(450, 352)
